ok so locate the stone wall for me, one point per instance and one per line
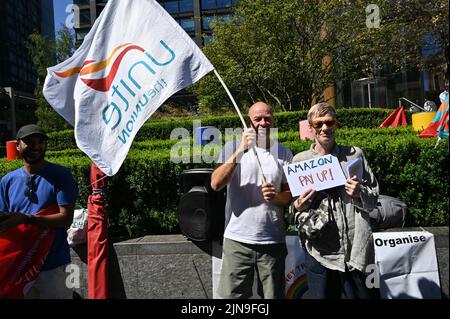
(172, 267)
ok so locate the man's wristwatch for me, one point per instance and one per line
(29, 220)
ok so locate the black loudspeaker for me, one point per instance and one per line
(201, 211)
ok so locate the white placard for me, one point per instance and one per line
(317, 173)
(407, 265)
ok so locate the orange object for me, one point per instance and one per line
(11, 151)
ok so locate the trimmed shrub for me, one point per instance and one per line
(286, 121)
(143, 196)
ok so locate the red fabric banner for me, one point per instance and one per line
(23, 250)
(98, 245)
(396, 118)
(98, 248)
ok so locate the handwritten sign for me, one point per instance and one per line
(317, 173)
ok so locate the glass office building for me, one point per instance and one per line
(18, 19)
(194, 16)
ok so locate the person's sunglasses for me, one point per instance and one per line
(319, 124)
(31, 190)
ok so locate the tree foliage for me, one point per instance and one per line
(45, 53)
(287, 52)
(426, 25)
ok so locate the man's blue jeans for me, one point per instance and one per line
(324, 283)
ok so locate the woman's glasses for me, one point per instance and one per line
(31, 190)
(318, 124)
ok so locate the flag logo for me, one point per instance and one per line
(104, 84)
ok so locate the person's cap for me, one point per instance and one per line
(28, 130)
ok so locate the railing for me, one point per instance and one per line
(414, 105)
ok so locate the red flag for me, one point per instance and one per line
(98, 246)
(439, 124)
(23, 250)
(395, 119)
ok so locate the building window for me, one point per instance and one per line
(186, 6)
(171, 6)
(206, 20)
(226, 3)
(179, 6)
(81, 35)
(209, 4)
(187, 24)
(85, 17)
(82, 2)
(217, 4)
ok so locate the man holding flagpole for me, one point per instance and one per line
(132, 60)
(257, 190)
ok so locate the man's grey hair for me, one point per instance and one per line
(319, 110)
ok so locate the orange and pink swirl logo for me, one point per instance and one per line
(90, 66)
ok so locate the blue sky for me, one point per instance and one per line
(59, 8)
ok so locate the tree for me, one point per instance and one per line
(413, 34)
(287, 52)
(46, 53)
(428, 22)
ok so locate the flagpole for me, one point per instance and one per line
(231, 98)
(242, 120)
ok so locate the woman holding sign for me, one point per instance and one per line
(333, 218)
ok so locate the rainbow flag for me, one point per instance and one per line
(297, 288)
(439, 124)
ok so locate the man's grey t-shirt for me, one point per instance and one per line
(248, 217)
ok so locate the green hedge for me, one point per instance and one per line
(143, 196)
(137, 145)
(286, 121)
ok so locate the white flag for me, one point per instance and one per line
(134, 58)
